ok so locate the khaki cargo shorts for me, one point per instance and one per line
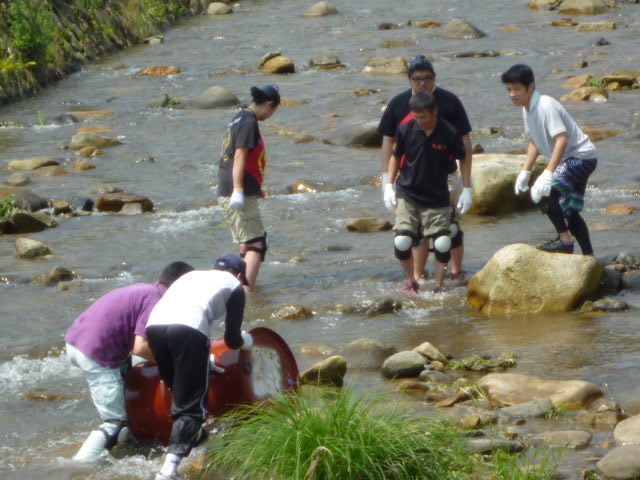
(245, 224)
(422, 222)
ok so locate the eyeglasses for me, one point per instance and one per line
(425, 79)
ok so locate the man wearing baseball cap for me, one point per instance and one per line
(178, 332)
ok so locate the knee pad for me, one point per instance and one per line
(261, 250)
(442, 247)
(115, 432)
(402, 244)
(456, 235)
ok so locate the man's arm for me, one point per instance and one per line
(465, 163)
(239, 162)
(386, 152)
(233, 319)
(141, 348)
(532, 155)
(559, 147)
(392, 168)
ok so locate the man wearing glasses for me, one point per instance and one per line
(422, 79)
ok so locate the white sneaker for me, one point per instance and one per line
(174, 476)
(93, 448)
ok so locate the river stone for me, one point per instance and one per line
(26, 222)
(82, 165)
(434, 376)
(316, 349)
(601, 26)
(577, 82)
(321, 9)
(213, 97)
(115, 201)
(494, 177)
(291, 312)
(621, 463)
(513, 389)
(533, 409)
(596, 133)
(85, 139)
(325, 62)
(619, 209)
(17, 179)
(367, 353)
(60, 207)
(330, 371)
(630, 259)
(577, 439)
(403, 364)
(369, 224)
(49, 171)
(624, 78)
(487, 445)
(386, 66)
(32, 163)
(631, 280)
(372, 307)
(55, 275)
(302, 137)
(219, 8)
(627, 432)
(611, 282)
(412, 387)
(459, 28)
(543, 4)
(160, 70)
(278, 65)
(581, 7)
(430, 352)
(554, 282)
(360, 134)
(81, 203)
(29, 201)
(591, 94)
(609, 304)
(29, 248)
(131, 209)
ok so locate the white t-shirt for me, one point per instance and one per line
(547, 118)
(197, 299)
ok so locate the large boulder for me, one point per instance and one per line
(582, 7)
(367, 353)
(622, 463)
(459, 28)
(386, 66)
(627, 432)
(278, 64)
(521, 279)
(513, 389)
(494, 178)
(213, 97)
(330, 371)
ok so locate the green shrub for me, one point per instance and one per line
(31, 27)
(7, 206)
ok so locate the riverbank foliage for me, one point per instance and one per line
(348, 436)
(43, 40)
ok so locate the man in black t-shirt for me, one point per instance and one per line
(425, 153)
(422, 79)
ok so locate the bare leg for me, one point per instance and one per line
(457, 254)
(420, 256)
(253, 261)
(439, 267)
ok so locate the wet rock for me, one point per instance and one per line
(364, 92)
(602, 42)
(115, 201)
(577, 439)
(219, 8)
(64, 119)
(608, 304)
(596, 134)
(160, 70)
(477, 54)
(627, 432)
(581, 7)
(434, 376)
(50, 171)
(29, 201)
(486, 446)
(513, 389)
(533, 409)
(60, 207)
(82, 203)
(543, 4)
(624, 78)
(32, 163)
(578, 81)
(92, 139)
(302, 187)
(367, 353)
(611, 282)
(21, 221)
(330, 371)
(154, 40)
(213, 97)
(372, 307)
(131, 209)
(555, 282)
(603, 25)
(412, 387)
(564, 22)
(29, 248)
(387, 26)
(316, 349)
(17, 179)
(428, 24)
(106, 189)
(89, 151)
(476, 363)
(620, 209)
(403, 364)
(321, 9)
(430, 352)
(397, 43)
(303, 137)
(55, 275)
(493, 178)
(291, 312)
(386, 66)
(631, 280)
(621, 463)
(81, 166)
(604, 420)
(360, 134)
(469, 417)
(278, 65)
(459, 28)
(630, 259)
(369, 224)
(591, 94)
(325, 62)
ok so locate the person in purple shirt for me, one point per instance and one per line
(100, 342)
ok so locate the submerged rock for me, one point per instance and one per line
(367, 353)
(213, 97)
(29, 248)
(386, 66)
(321, 9)
(459, 28)
(92, 139)
(115, 201)
(582, 7)
(32, 163)
(369, 224)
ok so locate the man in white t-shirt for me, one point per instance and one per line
(178, 333)
(572, 158)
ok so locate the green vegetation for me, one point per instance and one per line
(339, 434)
(594, 82)
(167, 101)
(7, 206)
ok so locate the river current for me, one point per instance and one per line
(170, 155)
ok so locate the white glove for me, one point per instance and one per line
(522, 182)
(385, 180)
(389, 196)
(248, 341)
(542, 187)
(465, 201)
(212, 364)
(237, 199)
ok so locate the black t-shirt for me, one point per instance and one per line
(450, 108)
(243, 131)
(427, 162)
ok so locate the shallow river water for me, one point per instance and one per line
(313, 260)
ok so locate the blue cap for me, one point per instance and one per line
(272, 92)
(231, 261)
(420, 62)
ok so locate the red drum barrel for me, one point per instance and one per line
(268, 368)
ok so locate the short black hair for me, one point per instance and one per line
(172, 272)
(420, 63)
(422, 101)
(268, 93)
(519, 73)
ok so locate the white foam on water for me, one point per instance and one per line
(22, 372)
(266, 374)
(171, 222)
